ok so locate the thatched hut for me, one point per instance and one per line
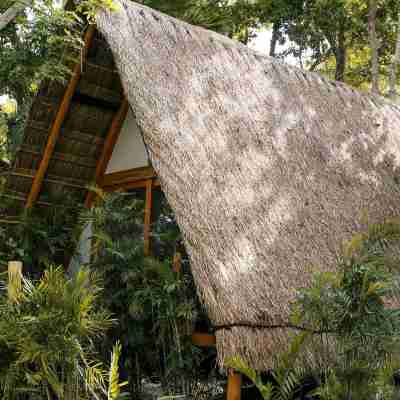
(269, 169)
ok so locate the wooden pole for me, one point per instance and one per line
(203, 339)
(109, 144)
(147, 216)
(234, 386)
(177, 262)
(56, 127)
(14, 268)
(14, 280)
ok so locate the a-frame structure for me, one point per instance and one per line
(82, 134)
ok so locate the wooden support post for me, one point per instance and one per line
(129, 185)
(203, 339)
(56, 127)
(127, 176)
(14, 280)
(147, 216)
(109, 144)
(14, 268)
(233, 391)
(177, 262)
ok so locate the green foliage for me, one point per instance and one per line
(287, 376)
(241, 366)
(155, 306)
(3, 136)
(88, 8)
(351, 326)
(36, 46)
(222, 16)
(331, 36)
(47, 337)
(9, 118)
(353, 309)
(39, 237)
(42, 43)
(114, 385)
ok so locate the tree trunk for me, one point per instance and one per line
(274, 39)
(395, 65)
(340, 56)
(9, 15)
(373, 42)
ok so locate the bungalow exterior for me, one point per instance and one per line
(268, 168)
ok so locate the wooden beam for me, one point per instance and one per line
(58, 180)
(129, 175)
(67, 158)
(233, 391)
(129, 185)
(106, 96)
(109, 144)
(147, 216)
(60, 117)
(82, 137)
(203, 339)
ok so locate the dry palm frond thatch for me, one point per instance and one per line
(268, 168)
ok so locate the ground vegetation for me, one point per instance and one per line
(348, 344)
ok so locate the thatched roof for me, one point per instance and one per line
(72, 166)
(268, 168)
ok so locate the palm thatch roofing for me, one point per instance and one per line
(268, 168)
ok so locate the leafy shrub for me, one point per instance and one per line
(48, 332)
(155, 306)
(351, 324)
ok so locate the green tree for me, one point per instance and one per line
(37, 45)
(333, 36)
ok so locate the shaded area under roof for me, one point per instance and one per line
(95, 102)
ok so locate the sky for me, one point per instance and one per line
(262, 41)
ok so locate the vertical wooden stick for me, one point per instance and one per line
(177, 262)
(147, 216)
(234, 386)
(14, 280)
(109, 144)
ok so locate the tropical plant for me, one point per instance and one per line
(286, 377)
(352, 324)
(39, 237)
(156, 307)
(48, 332)
(114, 384)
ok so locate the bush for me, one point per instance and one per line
(48, 332)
